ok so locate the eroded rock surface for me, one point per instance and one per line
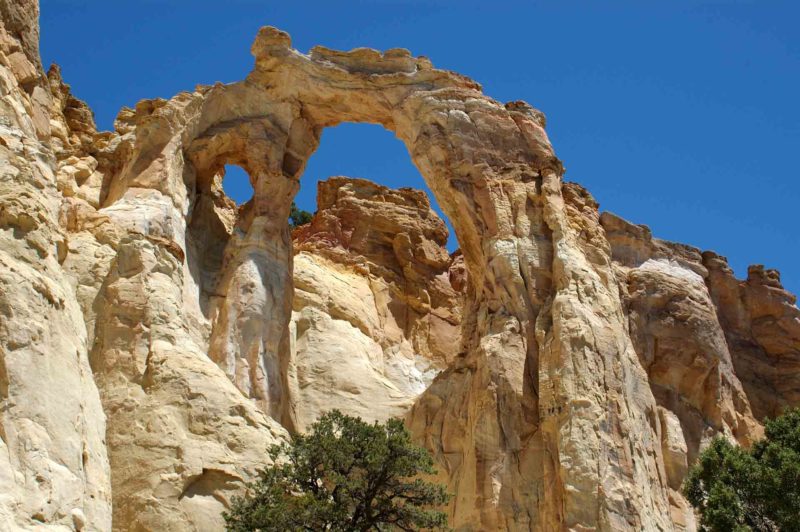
(761, 322)
(54, 468)
(377, 302)
(565, 367)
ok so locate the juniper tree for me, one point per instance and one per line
(344, 475)
(738, 490)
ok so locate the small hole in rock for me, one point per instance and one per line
(236, 184)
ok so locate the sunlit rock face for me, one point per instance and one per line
(377, 302)
(564, 367)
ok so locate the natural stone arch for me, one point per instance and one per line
(428, 110)
(249, 336)
(549, 447)
(476, 172)
(546, 420)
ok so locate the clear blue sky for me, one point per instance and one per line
(682, 115)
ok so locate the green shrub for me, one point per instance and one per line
(738, 490)
(298, 217)
(343, 475)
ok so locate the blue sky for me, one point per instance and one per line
(681, 115)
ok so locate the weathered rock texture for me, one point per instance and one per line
(377, 302)
(155, 338)
(53, 457)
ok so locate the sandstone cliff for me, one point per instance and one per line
(565, 367)
(377, 302)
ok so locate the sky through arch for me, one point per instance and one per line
(236, 184)
(352, 150)
(368, 151)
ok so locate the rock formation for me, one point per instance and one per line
(377, 302)
(53, 456)
(564, 367)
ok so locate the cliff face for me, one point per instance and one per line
(564, 368)
(377, 302)
(53, 455)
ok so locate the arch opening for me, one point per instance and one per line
(374, 276)
(236, 184)
(368, 151)
(378, 284)
(223, 193)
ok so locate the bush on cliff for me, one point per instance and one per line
(298, 217)
(739, 490)
(343, 475)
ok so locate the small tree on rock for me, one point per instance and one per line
(757, 490)
(298, 217)
(344, 475)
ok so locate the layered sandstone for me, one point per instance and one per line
(565, 368)
(377, 302)
(762, 327)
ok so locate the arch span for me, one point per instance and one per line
(558, 440)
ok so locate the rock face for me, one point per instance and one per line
(377, 302)
(53, 457)
(564, 368)
(109, 399)
(762, 327)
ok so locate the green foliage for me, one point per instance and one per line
(298, 217)
(739, 490)
(343, 475)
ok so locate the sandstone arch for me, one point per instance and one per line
(567, 407)
(494, 173)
